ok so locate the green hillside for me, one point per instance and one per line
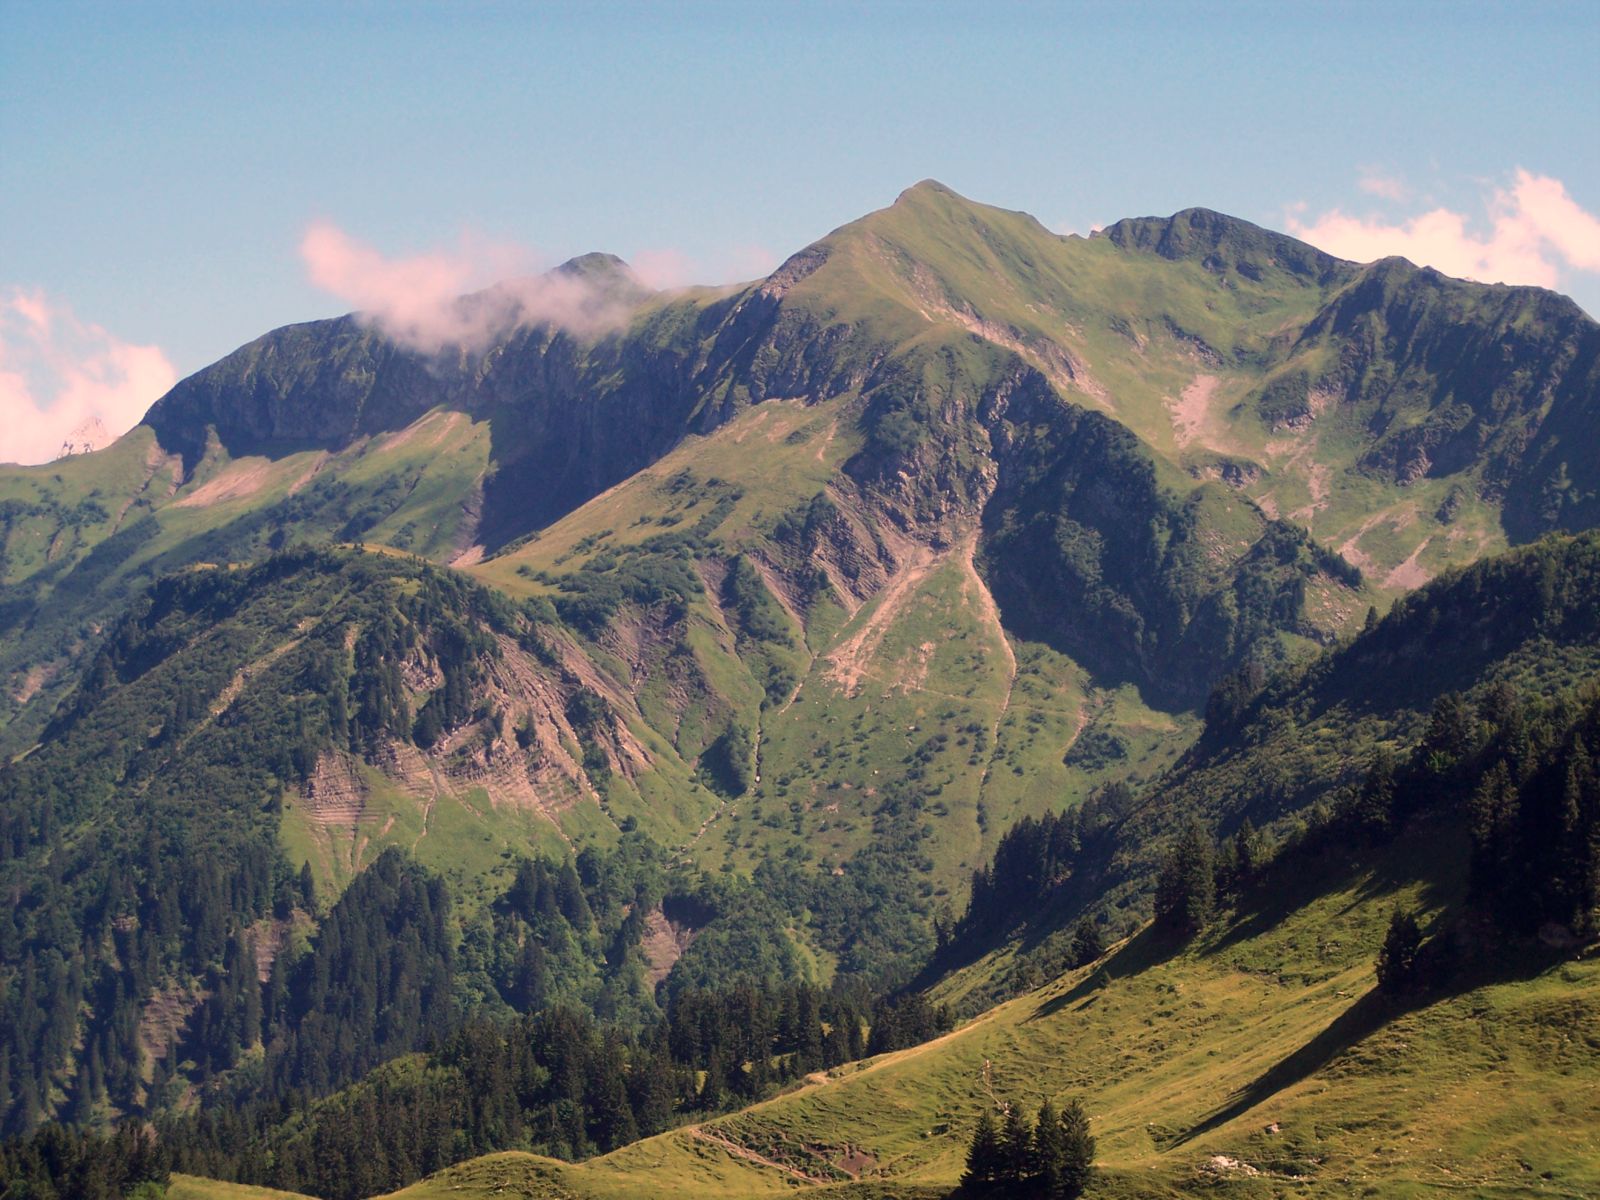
(833, 644)
(1231, 353)
(1513, 636)
(1261, 1058)
(187, 1187)
(1261, 1054)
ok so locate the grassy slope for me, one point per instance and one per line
(879, 679)
(876, 684)
(1117, 329)
(1176, 350)
(1264, 1044)
(70, 576)
(190, 1187)
(1161, 347)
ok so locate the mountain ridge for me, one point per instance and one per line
(817, 584)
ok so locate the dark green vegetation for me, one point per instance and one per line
(1051, 1156)
(174, 902)
(125, 886)
(59, 1164)
(556, 1082)
(1488, 723)
(548, 744)
(1088, 551)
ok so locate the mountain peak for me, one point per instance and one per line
(927, 188)
(595, 265)
(1222, 243)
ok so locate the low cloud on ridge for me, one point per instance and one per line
(65, 380)
(1536, 234)
(444, 300)
(471, 296)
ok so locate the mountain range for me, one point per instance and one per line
(774, 611)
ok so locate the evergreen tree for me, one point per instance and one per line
(1492, 816)
(1186, 887)
(1244, 854)
(1016, 1147)
(808, 1034)
(1397, 960)
(1577, 874)
(1077, 1155)
(1086, 943)
(1452, 732)
(1049, 1150)
(1371, 810)
(984, 1156)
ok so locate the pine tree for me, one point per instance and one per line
(1186, 888)
(983, 1155)
(1397, 961)
(308, 888)
(808, 1035)
(1077, 1157)
(1452, 732)
(1246, 854)
(1372, 809)
(1049, 1150)
(1577, 869)
(1492, 815)
(1016, 1147)
(1086, 943)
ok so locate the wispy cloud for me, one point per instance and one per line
(65, 380)
(664, 269)
(1384, 185)
(423, 302)
(418, 300)
(1531, 232)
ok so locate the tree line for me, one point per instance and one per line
(556, 1082)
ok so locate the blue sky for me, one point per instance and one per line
(160, 164)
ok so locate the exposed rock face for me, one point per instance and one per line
(335, 793)
(663, 944)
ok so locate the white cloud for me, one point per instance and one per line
(663, 268)
(416, 300)
(1532, 232)
(59, 375)
(1384, 185)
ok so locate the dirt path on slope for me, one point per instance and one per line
(827, 439)
(1191, 409)
(977, 591)
(749, 1155)
(988, 610)
(848, 662)
(434, 790)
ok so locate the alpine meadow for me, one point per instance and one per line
(977, 711)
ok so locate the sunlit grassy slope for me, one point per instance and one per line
(189, 1187)
(1193, 349)
(917, 678)
(1181, 350)
(1260, 1059)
